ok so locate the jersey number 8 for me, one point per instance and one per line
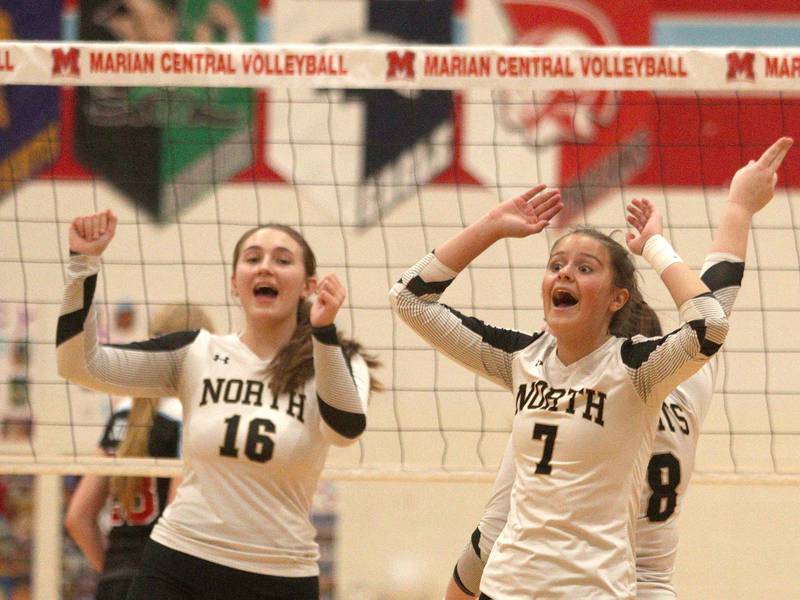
(663, 476)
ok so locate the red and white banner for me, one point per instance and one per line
(388, 66)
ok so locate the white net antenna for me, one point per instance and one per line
(377, 154)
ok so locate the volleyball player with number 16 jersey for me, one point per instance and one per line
(260, 410)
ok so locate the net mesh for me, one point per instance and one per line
(375, 171)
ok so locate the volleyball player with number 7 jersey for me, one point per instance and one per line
(586, 402)
(672, 462)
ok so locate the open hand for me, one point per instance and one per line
(753, 186)
(90, 234)
(526, 214)
(644, 217)
(330, 297)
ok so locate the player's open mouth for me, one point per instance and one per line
(563, 299)
(265, 291)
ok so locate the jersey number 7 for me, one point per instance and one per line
(548, 433)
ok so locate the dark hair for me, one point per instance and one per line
(625, 276)
(294, 363)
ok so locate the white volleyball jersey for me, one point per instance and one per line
(582, 436)
(674, 448)
(667, 480)
(495, 514)
(668, 470)
(251, 460)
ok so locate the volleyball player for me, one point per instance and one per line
(260, 410)
(681, 414)
(138, 427)
(587, 402)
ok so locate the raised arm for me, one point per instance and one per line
(342, 388)
(647, 242)
(751, 189)
(483, 349)
(342, 383)
(522, 216)
(147, 369)
(657, 366)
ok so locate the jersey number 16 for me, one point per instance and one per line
(258, 446)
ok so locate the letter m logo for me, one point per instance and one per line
(400, 66)
(66, 63)
(741, 66)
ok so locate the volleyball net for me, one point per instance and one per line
(377, 154)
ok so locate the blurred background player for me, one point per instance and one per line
(138, 427)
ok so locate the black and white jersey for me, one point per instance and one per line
(251, 460)
(582, 435)
(667, 479)
(674, 449)
(131, 529)
(668, 471)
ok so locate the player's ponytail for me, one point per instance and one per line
(641, 320)
(294, 363)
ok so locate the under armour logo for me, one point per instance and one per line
(224, 359)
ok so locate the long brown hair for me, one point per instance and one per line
(625, 276)
(293, 365)
(136, 442)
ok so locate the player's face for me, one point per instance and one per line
(578, 292)
(270, 277)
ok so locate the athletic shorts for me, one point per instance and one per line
(113, 589)
(167, 574)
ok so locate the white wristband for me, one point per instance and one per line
(659, 253)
